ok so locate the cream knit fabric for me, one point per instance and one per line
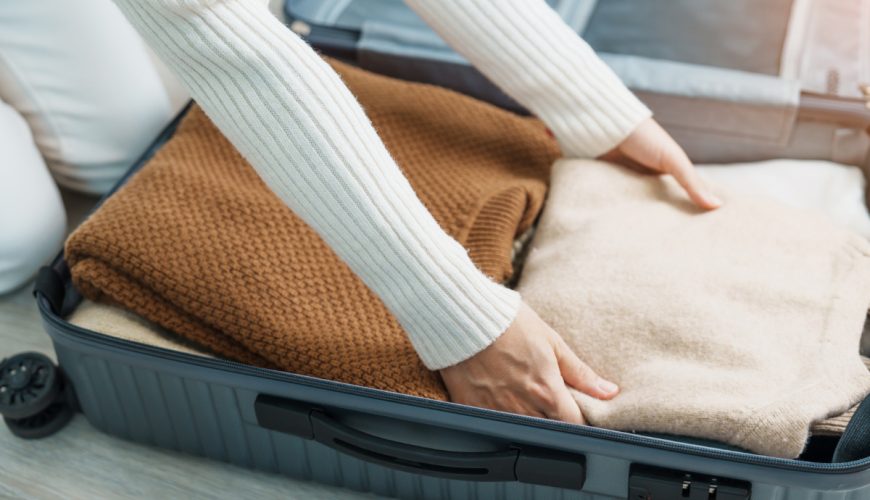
(123, 324)
(739, 325)
(290, 115)
(827, 188)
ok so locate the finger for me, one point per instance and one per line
(676, 163)
(581, 377)
(620, 158)
(613, 156)
(566, 408)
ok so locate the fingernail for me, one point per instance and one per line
(607, 387)
(712, 199)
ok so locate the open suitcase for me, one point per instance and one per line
(387, 443)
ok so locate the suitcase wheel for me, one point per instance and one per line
(34, 400)
(43, 424)
(29, 383)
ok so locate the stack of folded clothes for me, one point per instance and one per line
(197, 244)
(832, 190)
(715, 325)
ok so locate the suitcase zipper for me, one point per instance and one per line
(597, 433)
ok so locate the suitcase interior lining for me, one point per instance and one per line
(754, 44)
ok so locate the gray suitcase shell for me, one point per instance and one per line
(393, 444)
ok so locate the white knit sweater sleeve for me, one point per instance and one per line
(291, 116)
(525, 48)
(295, 121)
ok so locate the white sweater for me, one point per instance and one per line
(297, 124)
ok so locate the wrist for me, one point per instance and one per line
(500, 305)
(589, 127)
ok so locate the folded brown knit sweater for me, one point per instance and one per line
(196, 243)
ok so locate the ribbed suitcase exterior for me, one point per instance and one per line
(158, 407)
(206, 407)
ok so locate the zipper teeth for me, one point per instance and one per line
(624, 437)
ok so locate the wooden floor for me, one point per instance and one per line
(80, 462)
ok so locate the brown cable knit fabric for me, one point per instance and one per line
(197, 243)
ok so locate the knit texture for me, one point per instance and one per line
(739, 325)
(123, 324)
(300, 128)
(826, 188)
(198, 244)
(525, 48)
(290, 115)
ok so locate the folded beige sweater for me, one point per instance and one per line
(739, 325)
(120, 323)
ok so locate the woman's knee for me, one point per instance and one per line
(23, 249)
(104, 98)
(32, 216)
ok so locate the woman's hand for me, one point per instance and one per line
(650, 147)
(526, 371)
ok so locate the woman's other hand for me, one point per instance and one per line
(650, 147)
(526, 371)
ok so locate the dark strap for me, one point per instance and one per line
(855, 443)
(50, 285)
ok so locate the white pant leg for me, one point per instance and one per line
(87, 85)
(32, 217)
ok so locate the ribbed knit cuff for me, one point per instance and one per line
(291, 117)
(448, 344)
(525, 48)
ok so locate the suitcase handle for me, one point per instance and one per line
(514, 463)
(481, 466)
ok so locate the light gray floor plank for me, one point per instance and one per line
(80, 462)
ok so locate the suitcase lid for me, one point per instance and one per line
(720, 73)
(828, 48)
